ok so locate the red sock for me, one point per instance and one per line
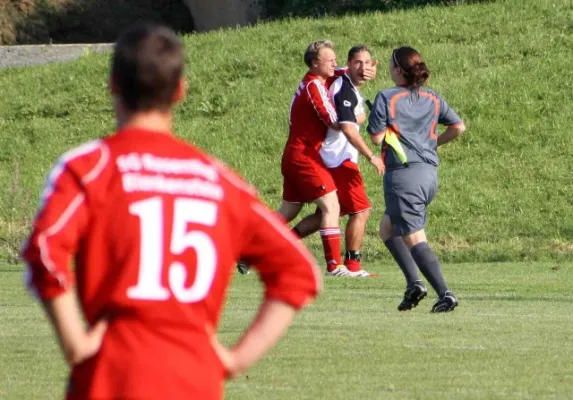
(331, 244)
(352, 265)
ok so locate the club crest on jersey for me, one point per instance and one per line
(347, 103)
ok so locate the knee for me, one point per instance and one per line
(386, 231)
(330, 206)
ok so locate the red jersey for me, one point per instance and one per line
(311, 112)
(154, 228)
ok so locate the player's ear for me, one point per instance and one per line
(181, 90)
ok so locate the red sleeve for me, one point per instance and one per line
(60, 223)
(286, 267)
(322, 104)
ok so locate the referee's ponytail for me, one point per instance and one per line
(414, 69)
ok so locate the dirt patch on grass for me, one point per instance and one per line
(84, 21)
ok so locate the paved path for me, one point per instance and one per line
(21, 56)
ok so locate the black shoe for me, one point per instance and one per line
(413, 295)
(243, 267)
(447, 302)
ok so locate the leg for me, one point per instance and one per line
(355, 230)
(426, 260)
(354, 202)
(330, 233)
(288, 210)
(308, 225)
(430, 267)
(400, 252)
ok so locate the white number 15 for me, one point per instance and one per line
(152, 231)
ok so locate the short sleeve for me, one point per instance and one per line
(345, 102)
(377, 120)
(447, 115)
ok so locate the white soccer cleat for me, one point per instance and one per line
(340, 270)
(360, 274)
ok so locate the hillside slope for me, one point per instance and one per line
(506, 186)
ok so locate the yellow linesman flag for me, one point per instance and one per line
(392, 140)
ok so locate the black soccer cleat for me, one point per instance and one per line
(447, 302)
(413, 295)
(243, 268)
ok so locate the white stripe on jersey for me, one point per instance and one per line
(61, 163)
(54, 229)
(324, 98)
(76, 201)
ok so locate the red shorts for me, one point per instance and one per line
(351, 191)
(305, 177)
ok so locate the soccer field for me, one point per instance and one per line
(510, 338)
(502, 223)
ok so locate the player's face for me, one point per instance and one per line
(356, 67)
(325, 63)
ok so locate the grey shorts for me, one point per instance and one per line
(407, 193)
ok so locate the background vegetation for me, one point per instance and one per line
(506, 190)
(506, 195)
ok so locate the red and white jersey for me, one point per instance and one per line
(311, 112)
(154, 228)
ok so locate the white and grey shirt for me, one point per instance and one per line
(348, 104)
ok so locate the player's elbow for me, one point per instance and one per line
(459, 129)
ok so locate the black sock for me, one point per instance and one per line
(430, 266)
(402, 255)
(352, 255)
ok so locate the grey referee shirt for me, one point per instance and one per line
(414, 115)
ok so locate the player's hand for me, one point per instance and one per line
(378, 164)
(369, 73)
(89, 345)
(226, 356)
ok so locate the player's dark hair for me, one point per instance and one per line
(357, 49)
(147, 66)
(413, 68)
(314, 48)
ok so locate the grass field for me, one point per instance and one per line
(510, 338)
(502, 223)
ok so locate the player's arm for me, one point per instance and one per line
(455, 127)
(322, 104)
(291, 279)
(377, 122)
(361, 118)
(345, 102)
(77, 343)
(48, 253)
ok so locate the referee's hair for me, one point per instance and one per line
(314, 48)
(413, 68)
(357, 49)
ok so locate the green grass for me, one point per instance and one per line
(506, 195)
(510, 338)
(506, 192)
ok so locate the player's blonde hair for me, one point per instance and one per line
(314, 48)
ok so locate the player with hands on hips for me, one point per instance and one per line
(154, 227)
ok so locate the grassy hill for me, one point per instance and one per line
(506, 187)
